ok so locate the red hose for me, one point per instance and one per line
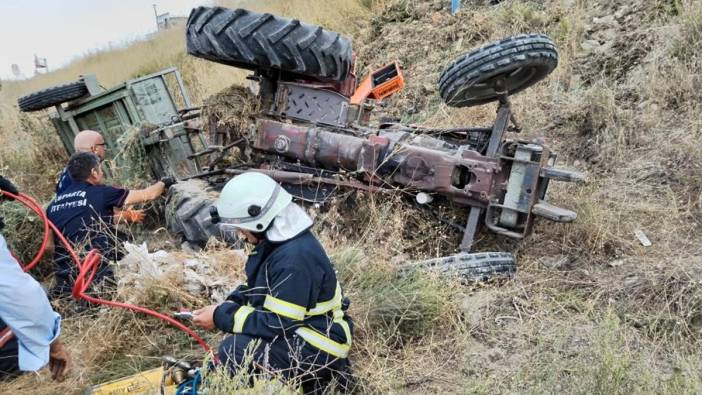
(32, 204)
(88, 268)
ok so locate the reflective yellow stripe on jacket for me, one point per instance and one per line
(286, 309)
(324, 343)
(240, 317)
(324, 307)
(312, 336)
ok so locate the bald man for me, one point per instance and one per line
(85, 141)
(92, 141)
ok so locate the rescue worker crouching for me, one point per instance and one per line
(288, 317)
(92, 141)
(83, 212)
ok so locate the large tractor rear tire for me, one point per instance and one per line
(520, 61)
(52, 96)
(251, 40)
(480, 266)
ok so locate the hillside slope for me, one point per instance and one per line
(591, 309)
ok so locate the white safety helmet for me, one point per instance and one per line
(251, 201)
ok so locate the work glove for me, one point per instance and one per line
(130, 215)
(6, 185)
(168, 181)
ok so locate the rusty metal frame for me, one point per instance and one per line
(478, 171)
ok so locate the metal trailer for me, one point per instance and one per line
(146, 107)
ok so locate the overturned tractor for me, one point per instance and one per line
(307, 124)
(312, 129)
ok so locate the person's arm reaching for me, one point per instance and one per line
(59, 360)
(150, 193)
(25, 308)
(145, 195)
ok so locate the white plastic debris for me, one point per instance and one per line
(643, 239)
(211, 275)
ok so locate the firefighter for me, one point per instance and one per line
(289, 317)
(29, 327)
(83, 212)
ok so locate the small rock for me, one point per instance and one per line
(605, 20)
(643, 239)
(436, 19)
(609, 34)
(554, 262)
(400, 259)
(589, 45)
(474, 306)
(616, 263)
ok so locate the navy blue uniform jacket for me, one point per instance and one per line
(296, 274)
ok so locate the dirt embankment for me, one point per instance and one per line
(591, 306)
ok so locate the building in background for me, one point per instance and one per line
(41, 66)
(166, 21)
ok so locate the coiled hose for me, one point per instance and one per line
(88, 268)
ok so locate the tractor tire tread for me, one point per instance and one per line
(252, 40)
(494, 58)
(52, 96)
(474, 267)
(187, 212)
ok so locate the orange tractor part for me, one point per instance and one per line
(380, 84)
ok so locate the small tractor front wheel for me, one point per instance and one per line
(518, 62)
(52, 96)
(480, 266)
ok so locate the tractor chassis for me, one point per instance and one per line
(502, 181)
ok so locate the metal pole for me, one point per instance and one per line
(156, 16)
(471, 228)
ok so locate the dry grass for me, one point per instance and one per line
(590, 310)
